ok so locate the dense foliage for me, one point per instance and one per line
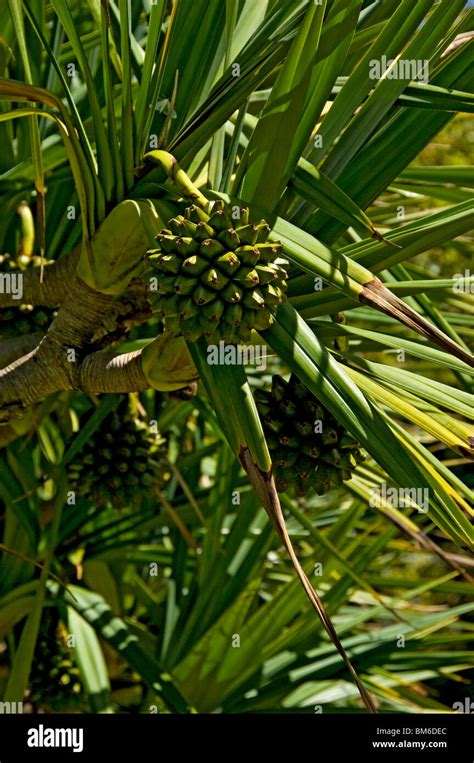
(235, 317)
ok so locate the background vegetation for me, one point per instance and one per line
(176, 594)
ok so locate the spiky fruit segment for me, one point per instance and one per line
(121, 464)
(209, 265)
(55, 679)
(24, 319)
(309, 447)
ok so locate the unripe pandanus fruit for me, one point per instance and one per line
(55, 679)
(121, 463)
(310, 449)
(217, 276)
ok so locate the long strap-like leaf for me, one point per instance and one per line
(265, 486)
(233, 402)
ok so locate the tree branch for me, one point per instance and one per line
(107, 372)
(57, 278)
(54, 364)
(100, 298)
(16, 347)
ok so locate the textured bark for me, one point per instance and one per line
(54, 364)
(79, 317)
(56, 283)
(16, 347)
(99, 372)
(106, 372)
(76, 352)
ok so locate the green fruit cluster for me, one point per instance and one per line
(216, 278)
(308, 446)
(121, 463)
(55, 679)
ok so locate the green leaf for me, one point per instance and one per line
(413, 348)
(303, 353)
(21, 667)
(238, 414)
(287, 119)
(127, 124)
(106, 173)
(112, 629)
(321, 191)
(230, 395)
(208, 671)
(91, 662)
